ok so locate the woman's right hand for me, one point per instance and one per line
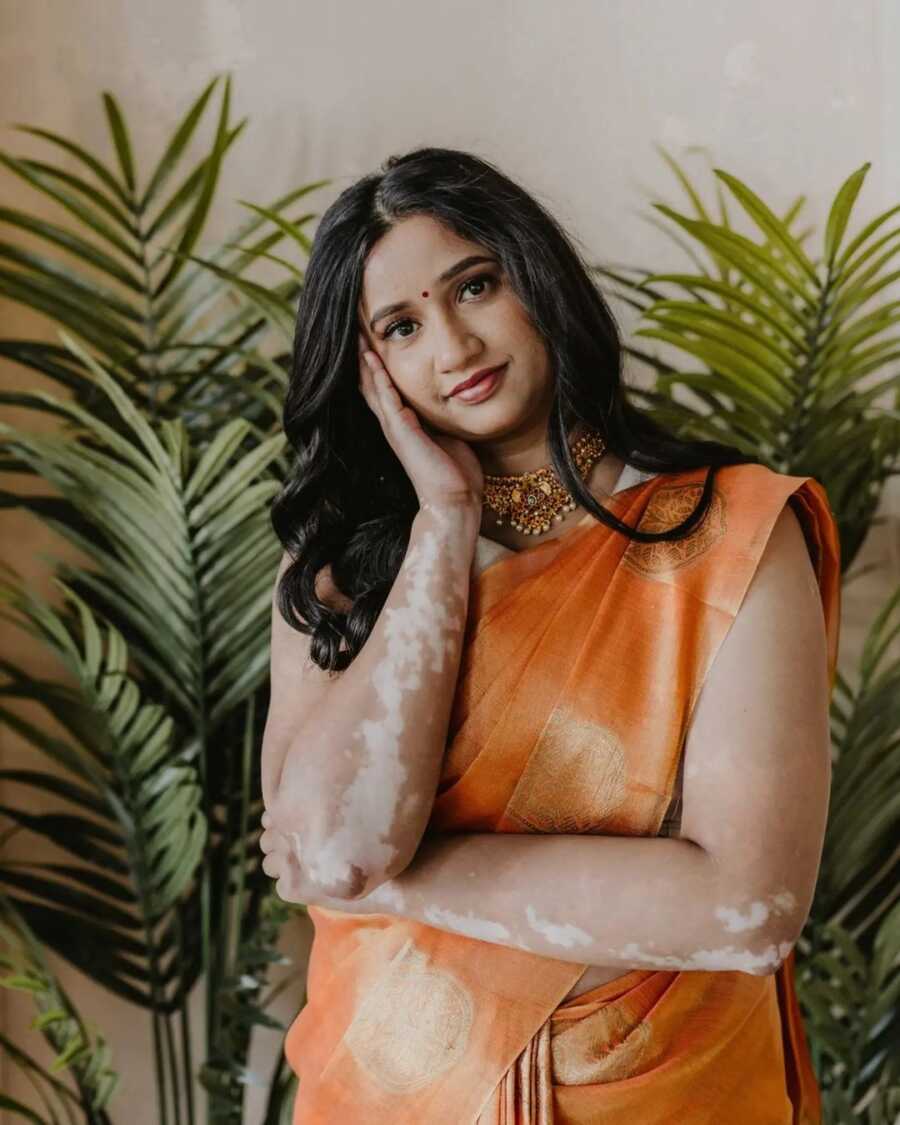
(443, 469)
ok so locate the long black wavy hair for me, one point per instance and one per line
(348, 502)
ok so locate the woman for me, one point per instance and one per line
(551, 880)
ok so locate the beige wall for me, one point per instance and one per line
(569, 97)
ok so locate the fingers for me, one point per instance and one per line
(377, 387)
(274, 864)
(366, 381)
(385, 387)
(274, 841)
(282, 864)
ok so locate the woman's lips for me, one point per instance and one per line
(483, 388)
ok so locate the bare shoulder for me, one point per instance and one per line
(787, 532)
(786, 563)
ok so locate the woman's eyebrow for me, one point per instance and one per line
(447, 275)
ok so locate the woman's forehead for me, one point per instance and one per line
(414, 258)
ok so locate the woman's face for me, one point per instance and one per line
(446, 330)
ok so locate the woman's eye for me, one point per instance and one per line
(481, 279)
(476, 281)
(389, 331)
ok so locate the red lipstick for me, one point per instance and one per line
(474, 378)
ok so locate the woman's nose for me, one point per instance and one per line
(456, 346)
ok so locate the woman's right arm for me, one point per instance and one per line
(351, 764)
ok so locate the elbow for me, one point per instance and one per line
(358, 884)
(325, 868)
(349, 886)
(362, 881)
(333, 860)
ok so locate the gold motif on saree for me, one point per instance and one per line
(413, 1025)
(574, 779)
(605, 1046)
(666, 508)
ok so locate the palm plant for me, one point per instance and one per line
(168, 453)
(160, 474)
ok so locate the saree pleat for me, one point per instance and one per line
(583, 659)
(525, 1092)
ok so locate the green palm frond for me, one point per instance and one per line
(146, 830)
(127, 280)
(852, 1012)
(166, 452)
(83, 1054)
(243, 1006)
(174, 536)
(182, 556)
(860, 878)
(781, 344)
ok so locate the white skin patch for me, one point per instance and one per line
(565, 935)
(409, 805)
(783, 902)
(757, 914)
(467, 924)
(735, 921)
(389, 896)
(423, 629)
(711, 960)
(729, 958)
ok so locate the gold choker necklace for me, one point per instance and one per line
(534, 499)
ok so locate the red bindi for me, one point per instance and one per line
(424, 292)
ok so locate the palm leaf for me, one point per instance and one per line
(86, 1057)
(161, 475)
(851, 1004)
(176, 146)
(136, 318)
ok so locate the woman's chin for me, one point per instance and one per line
(486, 426)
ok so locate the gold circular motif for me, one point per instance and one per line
(668, 507)
(413, 1025)
(574, 779)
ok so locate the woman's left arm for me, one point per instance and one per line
(734, 892)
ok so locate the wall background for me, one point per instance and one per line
(569, 98)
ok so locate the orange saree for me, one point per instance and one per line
(412, 1025)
